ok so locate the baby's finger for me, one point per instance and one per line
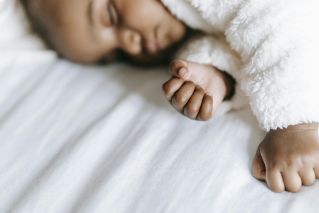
(307, 176)
(176, 66)
(292, 180)
(182, 96)
(193, 106)
(259, 168)
(206, 110)
(274, 180)
(171, 86)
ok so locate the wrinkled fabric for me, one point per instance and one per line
(270, 47)
(96, 139)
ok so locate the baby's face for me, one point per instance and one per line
(91, 30)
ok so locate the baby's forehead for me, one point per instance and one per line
(48, 14)
(33, 9)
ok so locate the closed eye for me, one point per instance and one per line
(90, 13)
(113, 15)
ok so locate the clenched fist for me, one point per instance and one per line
(288, 158)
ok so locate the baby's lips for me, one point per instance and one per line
(152, 47)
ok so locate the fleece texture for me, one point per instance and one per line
(270, 47)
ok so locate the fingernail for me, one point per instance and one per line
(182, 71)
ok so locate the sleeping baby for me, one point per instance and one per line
(230, 54)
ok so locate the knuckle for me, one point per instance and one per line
(180, 98)
(273, 165)
(308, 182)
(206, 113)
(278, 189)
(294, 188)
(192, 109)
(204, 117)
(189, 85)
(166, 87)
(189, 114)
(290, 163)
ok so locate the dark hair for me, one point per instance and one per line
(38, 25)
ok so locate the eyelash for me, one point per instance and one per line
(112, 14)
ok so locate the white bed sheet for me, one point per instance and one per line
(104, 139)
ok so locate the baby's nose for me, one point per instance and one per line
(131, 42)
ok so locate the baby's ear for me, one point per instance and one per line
(36, 15)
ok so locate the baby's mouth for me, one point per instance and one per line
(152, 46)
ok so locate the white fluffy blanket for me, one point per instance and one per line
(270, 47)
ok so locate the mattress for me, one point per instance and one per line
(78, 138)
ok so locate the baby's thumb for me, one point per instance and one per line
(259, 168)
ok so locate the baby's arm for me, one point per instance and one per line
(279, 46)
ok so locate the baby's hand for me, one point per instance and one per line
(196, 90)
(288, 158)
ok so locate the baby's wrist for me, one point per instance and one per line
(230, 86)
(298, 127)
